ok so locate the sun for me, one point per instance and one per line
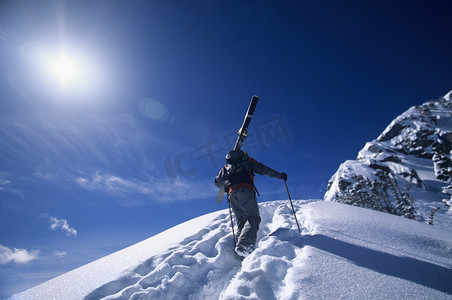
(68, 72)
(65, 69)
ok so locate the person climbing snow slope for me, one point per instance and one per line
(237, 177)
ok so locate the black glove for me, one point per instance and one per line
(284, 176)
(226, 186)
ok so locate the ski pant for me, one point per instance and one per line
(246, 210)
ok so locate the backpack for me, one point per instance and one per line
(238, 168)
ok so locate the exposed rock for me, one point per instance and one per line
(402, 171)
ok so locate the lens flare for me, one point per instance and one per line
(153, 109)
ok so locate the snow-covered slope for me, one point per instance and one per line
(344, 252)
(407, 170)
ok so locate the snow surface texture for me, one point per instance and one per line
(407, 170)
(344, 252)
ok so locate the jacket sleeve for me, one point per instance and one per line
(220, 180)
(262, 169)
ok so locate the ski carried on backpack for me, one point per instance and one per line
(242, 134)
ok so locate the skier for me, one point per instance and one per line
(237, 178)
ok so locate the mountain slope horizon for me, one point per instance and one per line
(343, 251)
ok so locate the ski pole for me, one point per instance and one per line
(232, 223)
(293, 209)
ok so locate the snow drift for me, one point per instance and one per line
(344, 252)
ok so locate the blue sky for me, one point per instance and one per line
(125, 141)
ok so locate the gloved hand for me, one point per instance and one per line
(284, 176)
(226, 186)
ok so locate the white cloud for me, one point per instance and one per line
(4, 181)
(60, 254)
(61, 224)
(98, 140)
(18, 256)
(157, 188)
(113, 184)
(5, 185)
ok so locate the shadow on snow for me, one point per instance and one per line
(411, 269)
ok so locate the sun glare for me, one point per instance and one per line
(64, 69)
(68, 73)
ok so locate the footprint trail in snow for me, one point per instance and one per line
(204, 266)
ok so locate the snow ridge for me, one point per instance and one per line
(344, 252)
(194, 266)
(203, 266)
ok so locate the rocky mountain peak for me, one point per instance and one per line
(407, 170)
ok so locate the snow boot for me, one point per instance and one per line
(241, 251)
(244, 251)
(250, 248)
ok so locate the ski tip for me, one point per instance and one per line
(220, 196)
